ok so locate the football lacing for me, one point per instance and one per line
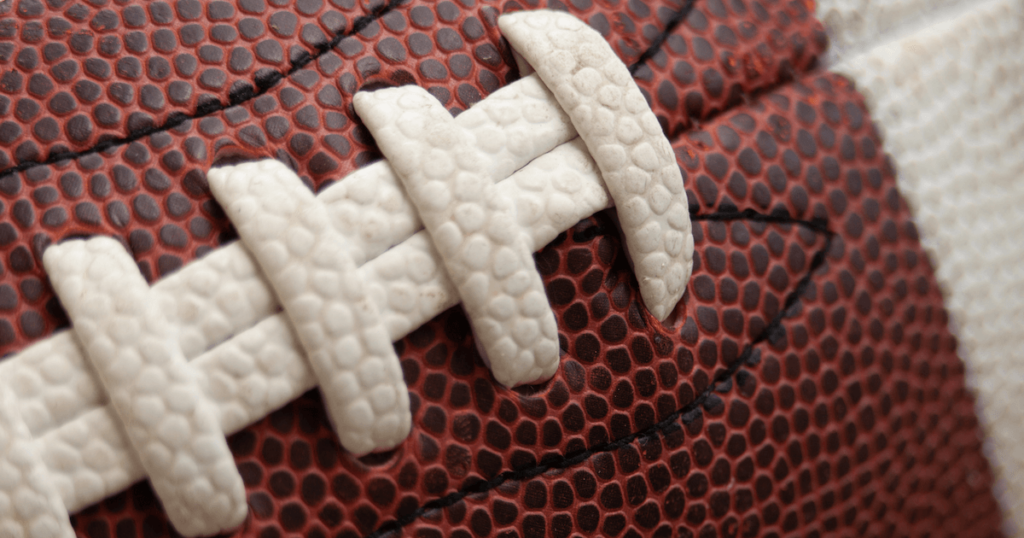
(624, 137)
(553, 183)
(307, 262)
(486, 253)
(131, 344)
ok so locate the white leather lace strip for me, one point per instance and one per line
(307, 262)
(224, 292)
(512, 127)
(264, 368)
(253, 367)
(29, 504)
(171, 424)
(246, 378)
(635, 157)
(487, 255)
(211, 300)
(949, 101)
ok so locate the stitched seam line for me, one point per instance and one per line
(687, 413)
(677, 18)
(240, 95)
(263, 84)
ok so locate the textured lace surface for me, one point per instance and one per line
(896, 398)
(342, 320)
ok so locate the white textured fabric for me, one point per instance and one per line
(635, 158)
(307, 262)
(949, 100)
(29, 504)
(131, 345)
(487, 255)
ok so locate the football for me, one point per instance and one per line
(523, 268)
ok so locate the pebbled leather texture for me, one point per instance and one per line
(225, 292)
(958, 153)
(790, 435)
(406, 284)
(264, 367)
(759, 459)
(304, 119)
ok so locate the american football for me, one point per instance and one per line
(511, 268)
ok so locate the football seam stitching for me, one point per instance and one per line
(688, 413)
(677, 18)
(262, 84)
(242, 94)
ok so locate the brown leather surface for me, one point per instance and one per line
(812, 387)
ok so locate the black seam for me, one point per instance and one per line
(816, 224)
(263, 83)
(779, 216)
(687, 413)
(237, 96)
(677, 18)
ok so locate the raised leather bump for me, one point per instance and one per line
(307, 262)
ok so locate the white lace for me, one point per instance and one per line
(63, 442)
(238, 360)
